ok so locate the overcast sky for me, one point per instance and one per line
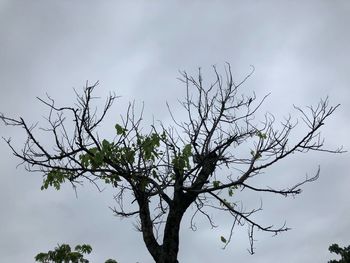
(300, 50)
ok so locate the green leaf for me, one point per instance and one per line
(187, 150)
(97, 160)
(216, 184)
(225, 203)
(155, 175)
(230, 191)
(257, 155)
(84, 248)
(149, 145)
(262, 135)
(163, 136)
(105, 143)
(54, 178)
(223, 240)
(84, 158)
(120, 129)
(186, 154)
(106, 147)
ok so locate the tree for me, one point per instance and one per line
(343, 252)
(201, 161)
(64, 253)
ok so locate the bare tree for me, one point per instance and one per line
(201, 161)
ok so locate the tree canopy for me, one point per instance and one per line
(203, 160)
(64, 254)
(343, 252)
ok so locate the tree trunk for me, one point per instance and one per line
(147, 227)
(170, 247)
(168, 251)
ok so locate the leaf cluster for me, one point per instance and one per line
(182, 160)
(64, 254)
(343, 252)
(55, 178)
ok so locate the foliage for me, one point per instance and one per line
(343, 252)
(64, 254)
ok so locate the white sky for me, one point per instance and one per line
(300, 50)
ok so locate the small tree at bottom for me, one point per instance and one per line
(64, 254)
(343, 252)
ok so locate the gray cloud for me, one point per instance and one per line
(300, 51)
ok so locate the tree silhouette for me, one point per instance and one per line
(202, 161)
(64, 254)
(343, 252)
